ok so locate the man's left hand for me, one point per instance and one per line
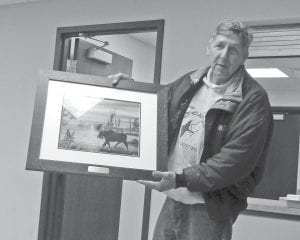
(167, 181)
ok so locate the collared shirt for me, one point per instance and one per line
(189, 145)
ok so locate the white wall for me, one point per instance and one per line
(27, 44)
(248, 227)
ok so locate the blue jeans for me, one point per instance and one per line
(178, 221)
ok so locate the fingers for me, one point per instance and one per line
(150, 184)
(115, 82)
(158, 186)
(158, 174)
(167, 181)
(117, 77)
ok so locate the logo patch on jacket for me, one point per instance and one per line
(220, 127)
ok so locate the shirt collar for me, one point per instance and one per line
(234, 85)
(219, 87)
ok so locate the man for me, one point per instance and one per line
(220, 124)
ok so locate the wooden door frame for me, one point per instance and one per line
(112, 28)
(53, 189)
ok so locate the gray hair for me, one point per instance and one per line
(235, 27)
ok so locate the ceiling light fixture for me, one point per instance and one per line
(266, 73)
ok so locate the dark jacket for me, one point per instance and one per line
(237, 135)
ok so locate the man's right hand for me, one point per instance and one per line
(116, 78)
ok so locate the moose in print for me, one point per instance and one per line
(112, 136)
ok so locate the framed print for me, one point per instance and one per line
(82, 124)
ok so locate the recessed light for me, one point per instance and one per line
(266, 73)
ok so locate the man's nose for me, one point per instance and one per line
(225, 52)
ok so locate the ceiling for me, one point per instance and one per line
(288, 65)
(7, 2)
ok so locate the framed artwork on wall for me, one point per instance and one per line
(83, 124)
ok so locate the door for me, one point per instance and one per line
(85, 207)
(92, 204)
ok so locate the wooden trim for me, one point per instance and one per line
(282, 109)
(51, 211)
(273, 207)
(35, 163)
(274, 38)
(112, 28)
(59, 50)
(270, 22)
(146, 213)
(266, 214)
(159, 49)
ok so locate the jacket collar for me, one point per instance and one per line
(198, 75)
(232, 96)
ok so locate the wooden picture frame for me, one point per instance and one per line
(55, 147)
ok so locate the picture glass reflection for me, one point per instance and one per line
(100, 125)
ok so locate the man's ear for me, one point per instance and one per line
(246, 54)
(208, 47)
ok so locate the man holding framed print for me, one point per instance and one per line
(220, 125)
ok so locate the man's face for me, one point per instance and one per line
(226, 54)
